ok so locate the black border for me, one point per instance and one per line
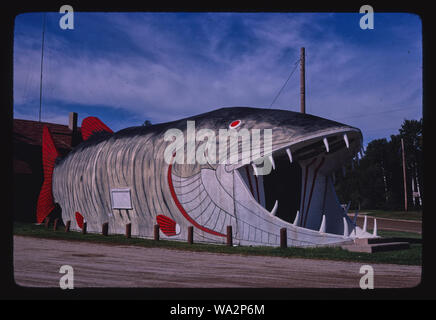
(165, 298)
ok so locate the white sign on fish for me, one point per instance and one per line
(121, 198)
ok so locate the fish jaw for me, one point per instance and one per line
(318, 155)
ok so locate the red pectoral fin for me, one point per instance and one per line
(167, 225)
(79, 220)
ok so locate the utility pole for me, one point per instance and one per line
(302, 82)
(404, 175)
(417, 187)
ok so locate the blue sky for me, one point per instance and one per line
(128, 67)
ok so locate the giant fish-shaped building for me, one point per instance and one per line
(126, 177)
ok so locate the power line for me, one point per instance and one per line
(42, 60)
(284, 85)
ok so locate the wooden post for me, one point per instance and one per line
(128, 230)
(105, 229)
(156, 232)
(72, 125)
(302, 82)
(55, 224)
(46, 222)
(404, 175)
(190, 234)
(84, 228)
(229, 236)
(283, 238)
(67, 226)
(72, 121)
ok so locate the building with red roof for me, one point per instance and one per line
(27, 160)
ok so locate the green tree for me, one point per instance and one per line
(411, 133)
(377, 181)
(375, 186)
(147, 123)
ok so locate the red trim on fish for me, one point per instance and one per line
(182, 210)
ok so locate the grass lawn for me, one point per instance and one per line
(397, 234)
(404, 215)
(411, 256)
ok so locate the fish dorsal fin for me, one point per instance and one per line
(93, 125)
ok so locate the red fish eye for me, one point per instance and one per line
(235, 124)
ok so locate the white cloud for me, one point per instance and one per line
(171, 76)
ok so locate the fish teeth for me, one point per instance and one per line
(322, 227)
(346, 141)
(326, 144)
(271, 159)
(297, 217)
(345, 227)
(274, 209)
(288, 151)
(254, 169)
(374, 230)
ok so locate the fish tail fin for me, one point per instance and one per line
(45, 203)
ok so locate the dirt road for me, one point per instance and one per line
(37, 263)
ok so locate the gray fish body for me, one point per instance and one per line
(212, 196)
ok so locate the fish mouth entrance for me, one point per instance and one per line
(279, 192)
